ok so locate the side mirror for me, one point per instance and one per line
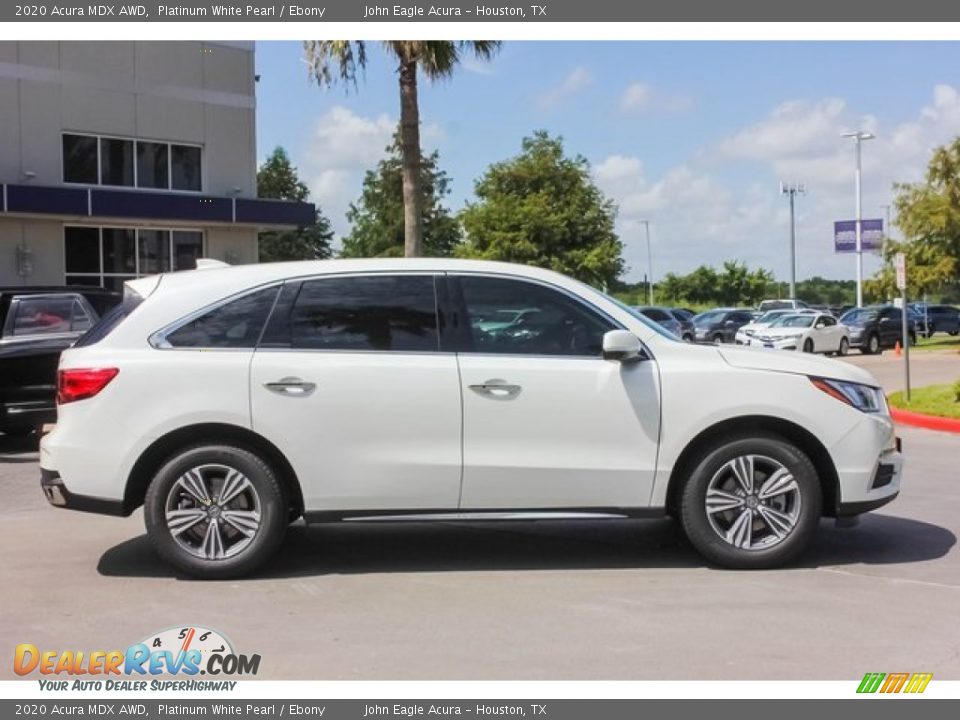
(621, 345)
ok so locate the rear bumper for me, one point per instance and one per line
(59, 496)
(25, 413)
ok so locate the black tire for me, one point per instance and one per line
(274, 512)
(707, 540)
(954, 333)
(844, 347)
(717, 339)
(871, 346)
(808, 345)
(688, 338)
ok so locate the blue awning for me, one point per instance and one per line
(148, 206)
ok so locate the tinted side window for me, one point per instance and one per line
(43, 315)
(236, 324)
(370, 312)
(522, 318)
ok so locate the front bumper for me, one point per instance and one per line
(59, 496)
(778, 344)
(866, 487)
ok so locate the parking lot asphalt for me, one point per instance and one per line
(927, 367)
(549, 600)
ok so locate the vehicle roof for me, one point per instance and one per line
(269, 272)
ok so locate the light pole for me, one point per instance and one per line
(792, 190)
(646, 224)
(858, 137)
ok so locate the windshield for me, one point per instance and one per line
(771, 316)
(856, 317)
(793, 321)
(709, 318)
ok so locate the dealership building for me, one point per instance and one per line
(122, 159)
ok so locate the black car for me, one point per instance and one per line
(36, 324)
(671, 319)
(721, 325)
(939, 318)
(876, 327)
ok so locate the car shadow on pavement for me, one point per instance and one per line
(556, 545)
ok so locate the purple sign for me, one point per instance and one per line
(845, 235)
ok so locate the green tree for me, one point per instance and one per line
(928, 214)
(377, 217)
(542, 208)
(338, 60)
(277, 179)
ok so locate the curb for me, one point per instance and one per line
(928, 422)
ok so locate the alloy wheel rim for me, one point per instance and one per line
(213, 511)
(753, 502)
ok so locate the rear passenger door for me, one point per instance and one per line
(351, 382)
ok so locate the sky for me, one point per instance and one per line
(692, 136)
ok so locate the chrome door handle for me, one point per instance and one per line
(292, 386)
(496, 389)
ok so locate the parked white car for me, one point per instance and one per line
(764, 321)
(229, 401)
(807, 332)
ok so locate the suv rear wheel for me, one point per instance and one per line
(751, 503)
(215, 511)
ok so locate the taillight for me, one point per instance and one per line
(82, 383)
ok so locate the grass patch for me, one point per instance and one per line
(939, 400)
(938, 342)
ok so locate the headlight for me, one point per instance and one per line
(865, 398)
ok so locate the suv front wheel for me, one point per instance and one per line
(215, 511)
(751, 503)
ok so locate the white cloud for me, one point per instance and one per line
(636, 96)
(641, 97)
(341, 148)
(701, 211)
(578, 79)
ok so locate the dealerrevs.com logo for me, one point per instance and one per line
(185, 651)
(889, 683)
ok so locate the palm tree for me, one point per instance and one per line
(338, 60)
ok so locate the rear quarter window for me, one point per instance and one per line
(234, 324)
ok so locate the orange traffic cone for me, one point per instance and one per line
(896, 349)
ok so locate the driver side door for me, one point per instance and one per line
(547, 422)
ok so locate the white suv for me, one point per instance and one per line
(231, 401)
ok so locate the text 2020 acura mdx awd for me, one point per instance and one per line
(230, 401)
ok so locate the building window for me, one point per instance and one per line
(185, 164)
(116, 162)
(152, 165)
(123, 162)
(109, 256)
(79, 159)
